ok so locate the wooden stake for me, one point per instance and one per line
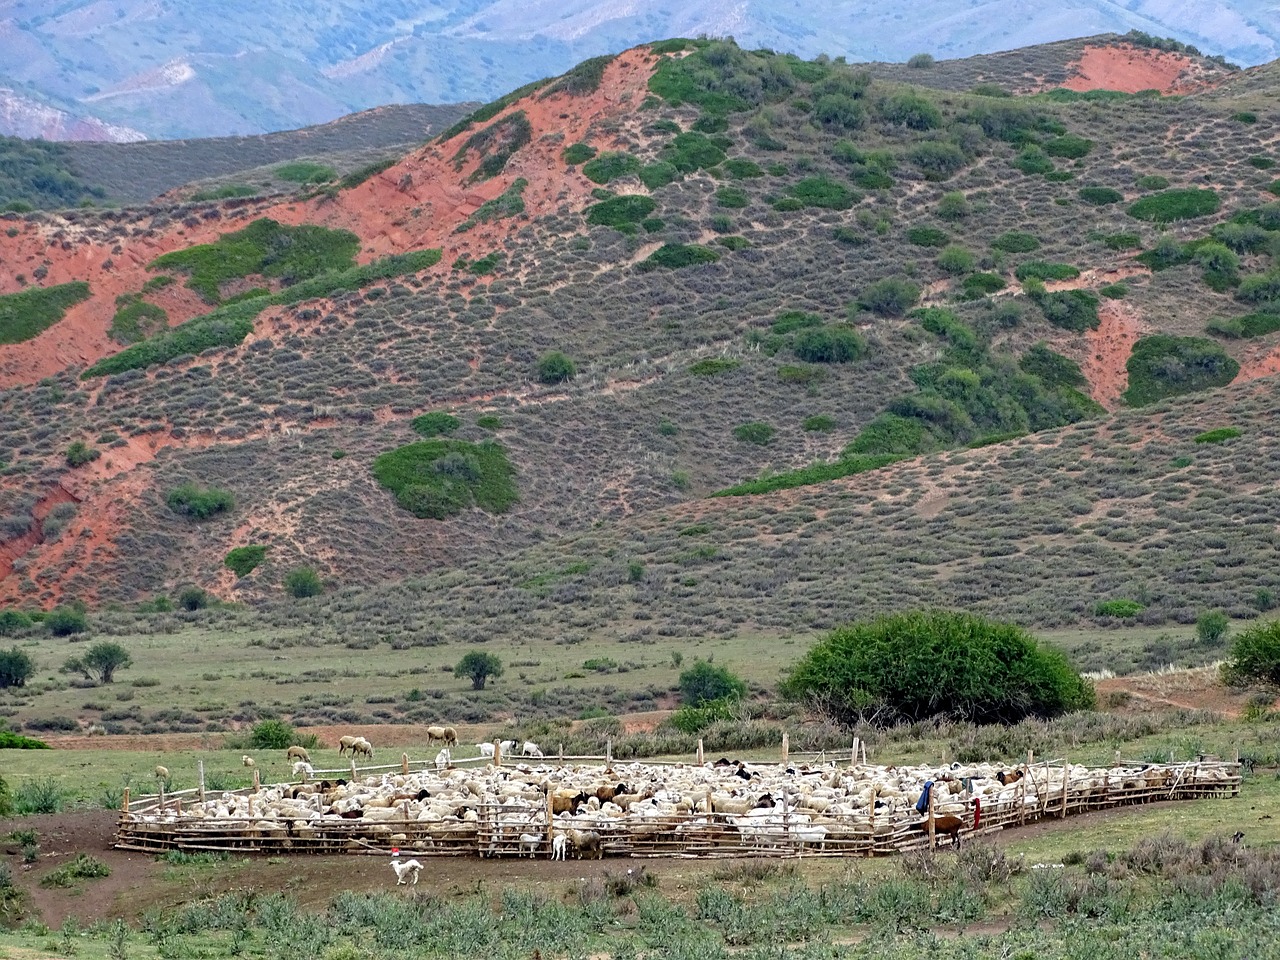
(257, 780)
(561, 753)
(404, 764)
(497, 753)
(864, 753)
(161, 782)
(354, 776)
(933, 840)
(124, 804)
(700, 758)
(786, 746)
(1066, 777)
(200, 769)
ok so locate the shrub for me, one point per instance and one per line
(789, 321)
(13, 622)
(577, 153)
(1255, 655)
(555, 367)
(921, 61)
(692, 151)
(304, 171)
(435, 424)
(658, 174)
(713, 365)
(956, 260)
(190, 501)
(621, 211)
(610, 166)
(1075, 310)
(928, 237)
(16, 668)
(478, 666)
(1069, 146)
(705, 682)
(890, 297)
(1033, 161)
(1260, 288)
(1212, 626)
(1167, 252)
(819, 423)
(358, 176)
(676, 255)
(954, 206)
(135, 319)
(937, 160)
(83, 867)
(847, 466)
(1040, 270)
(1118, 608)
(100, 662)
(758, 433)
(829, 344)
(1122, 241)
(1167, 366)
(79, 453)
(302, 582)
(978, 285)
(1220, 265)
(242, 561)
(912, 666)
(193, 598)
(911, 110)
(27, 313)
(838, 111)
(1219, 435)
(1053, 369)
(823, 192)
(732, 197)
(1171, 205)
(437, 479)
(65, 621)
(1015, 241)
(738, 168)
(1114, 291)
(272, 735)
(1100, 196)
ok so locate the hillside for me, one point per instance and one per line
(729, 248)
(245, 68)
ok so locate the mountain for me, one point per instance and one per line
(22, 116)
(692, 341)
(186, 70)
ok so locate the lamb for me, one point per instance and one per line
(530, 842)
(408, 869)
(559, 842)
(531, 749)
(297, 753)
(345, 743)
(247, 761)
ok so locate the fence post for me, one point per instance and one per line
(933, 842)
(551, 819)
(1066, 778)
(786, 746)
(200, 768)
(864, 753)
(560, 754)
(853, 760)
(1022, 799)
(497, 753)
(700, 760)
(404, 764)
(161, 782)
(354, 776)
(124, 804)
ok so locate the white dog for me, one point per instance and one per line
(410, 868)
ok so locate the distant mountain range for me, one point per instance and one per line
(173, 70)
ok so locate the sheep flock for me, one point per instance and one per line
(717, 808)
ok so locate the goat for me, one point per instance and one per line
(605, 794)
(486, 749)
(531, 749)
(408, 869)
(567, 804)
(297, 753)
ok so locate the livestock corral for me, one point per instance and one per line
(816, 807)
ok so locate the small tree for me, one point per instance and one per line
(272, 735)
(1255, 655)
(65, 621)
(303, 582)
(193, 598)
(100, 662)
(1212, 627)
(478, 667)
(705, 682)
(13, 622)
(555, 367)
(16, 667)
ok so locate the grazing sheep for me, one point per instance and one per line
(559, 843)
(451, 736)
(345, 743)
(531, 749)
(247, 761)
(162, 773)
(436, 733)
(297, 753)
(362, 746)
(408, 869)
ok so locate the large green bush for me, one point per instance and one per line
(829, 344)
(436, 479)
(676, 255)
(621, 211)
(190, 501)
(554, 367)
(65, 621)
(303, 582)
(242, 561)
(1167, 366)
(272, 735)
(890, 296)
(912, 666)
(16, 667)
(1174, 205)
(1255, 655)
(705, 682)
(28, 312)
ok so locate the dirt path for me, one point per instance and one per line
(1109, 347)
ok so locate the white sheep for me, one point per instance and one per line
(345, 743)
(247, 761)
(162, 773)
(559, 844)
(408, 869)
(303, 769)
(486, 750)
(531, 749)
(530, 842)
(297, 753)
(443, 758)
(362, 746)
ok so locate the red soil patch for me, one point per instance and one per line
(1196, 689)
(1258, 360)
(1109, 348)
(1130, 69)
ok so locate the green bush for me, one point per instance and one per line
(738, 168)
(732, 198)
(1075, 310)
(705, 682)
(1167, 252)
(358, 176)
(847, 466)
(734, 243)
(1118, 608)
(693, 151)
(1219, 435)
(1261, 288)
(27, 313)
(956, 260)
(15, 741)
(954, 206)
(610, 166)
(1167, 366)
(190, 501)
(828, 344)
(13, 622)
(823, 192)
(303, 171)
(242, 561)
(928, 237)
(266, 248)
(890, 297)
(554, 367)
(1114, 291)
(272, 735)
(79, 453)
(435, 424)
(436, 479)
(1171, 205)
(711, 366)
(978, 285)
(1053, 369)
(83, 867)
(819, 423)
(694, 720)
(673, 256)
(1068, 146)
(918, 665)
(509, 203)
(193, 598)
(577, 153)
(1100, 196)
(658, 174)
(911, 110)
(302, 582)
(1255, 655)
(1015, 241)
(758, 433)
(1212, 627)
(789, 321)
(135, 319)
(1033, 161)
(478, 666)
(1040, 270)
(621, 211)
(16, 668)
(1122, 241)
(937, 160)
(65, 621)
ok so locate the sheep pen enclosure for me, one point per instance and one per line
(817, 807)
